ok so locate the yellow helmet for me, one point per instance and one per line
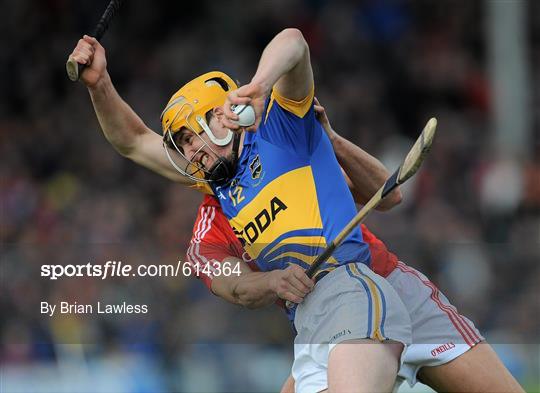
(191, 103)
(188, 108)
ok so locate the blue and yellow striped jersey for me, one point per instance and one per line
(289, 198)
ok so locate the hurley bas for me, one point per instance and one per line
(99, 308)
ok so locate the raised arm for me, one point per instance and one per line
(122, 127)
(284, 65)
(364, 173)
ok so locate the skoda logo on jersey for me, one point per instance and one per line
(260, 223)
(255, 167)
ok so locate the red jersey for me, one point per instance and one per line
(213, 240)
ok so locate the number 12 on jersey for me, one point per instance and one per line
(236, 195)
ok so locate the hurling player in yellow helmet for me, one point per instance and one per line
(191, 123)
(287, 199)
(288, 124)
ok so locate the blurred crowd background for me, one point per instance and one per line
(470, 220)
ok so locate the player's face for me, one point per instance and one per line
(200, 149)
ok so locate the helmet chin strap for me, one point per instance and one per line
(220, 142)
(224, 168)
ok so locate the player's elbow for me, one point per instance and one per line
(294, 35)
(127, 151)
(128, 144)
(391, 201)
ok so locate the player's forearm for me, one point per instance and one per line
(120, 124)
(254, 290)
(366, 173)
(285, 56)
(249, 289)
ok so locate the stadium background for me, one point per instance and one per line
(470, 220)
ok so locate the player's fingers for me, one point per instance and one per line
(228, 108)
(292, 297)
(82, 52)
(317, 105)
(301, 275)
(289, 284)
(299, 285)
(96, 46)
(231, 125)
(79, 58)
(299, 279)
(321, 114)
(88, 43)
(90, 40)
(319, 109)
(82, 45)
(237, 99)
(87, 51)
(305, 280)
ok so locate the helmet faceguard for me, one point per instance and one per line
(187, 108)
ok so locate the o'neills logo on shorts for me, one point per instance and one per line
(340, 334)
(442, 348)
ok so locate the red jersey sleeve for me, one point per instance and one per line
(383, 262)
(213, 240)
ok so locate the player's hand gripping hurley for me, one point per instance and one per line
(73, 68)
(406, 170)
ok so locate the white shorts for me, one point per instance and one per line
(439, 333)
(351, 302)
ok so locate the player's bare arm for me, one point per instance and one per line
(364, 173)
(122, 127)
(259, 289)
(285, 66)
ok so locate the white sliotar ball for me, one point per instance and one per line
(246, 115)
